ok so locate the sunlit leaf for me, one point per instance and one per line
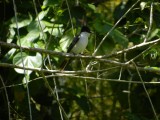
(55, 31)
(143, 5)
(27, 40)
(11, 35)
(92, 6)
(50, 2)
(42, 14)
(35, 25)
(10, 53)
(34, 61)
(154, 33)
(66, 40)
(22, 22)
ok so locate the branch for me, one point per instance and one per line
(82, 77)
(114, 27)
(50, 52)
(150, 23)
(132, 48)
(7, 98)
(146, 69)
(68, 55)
(145, 89)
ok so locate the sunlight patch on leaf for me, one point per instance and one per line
(29, 38)
(50, 3)
(92, 6)
(42, 14)
(10, 54)
(57, 32)
(22, 22)
(11, 35)
(35, 25)
(34, 61)
(65, 41)
(143, 5)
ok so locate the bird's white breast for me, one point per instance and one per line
(81, 44)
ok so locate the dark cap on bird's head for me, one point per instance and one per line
(85, 29)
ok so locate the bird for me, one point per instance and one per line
(78, 45)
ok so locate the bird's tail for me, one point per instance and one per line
(64, 64)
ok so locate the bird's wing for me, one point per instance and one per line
(75, 40)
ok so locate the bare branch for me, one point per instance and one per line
(7, 98)
(145, 89)
(150, 22)
(55, 53)
(83, 78)
(146, 69)
(132, 48)
(114, 27)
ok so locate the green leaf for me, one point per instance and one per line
(92, 6)
(50, 2)
(42, 14)
(143, 5)
(29, 38)
(34, 61)
(35, 25)
(22, 22)
(9, 54)
(116, 35)
(154, 33)
(47, 24)
(57, 32)
(53, 29)
(11, 35)
(66, 40)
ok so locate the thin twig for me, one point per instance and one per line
(48, 57)
(150, 23)
(6, 94)
(97, 79)
(25, 77)
(55, 87)
(146, 69)
(70, 17)
(140, 54)
(131, 48)
(54, 95)
(120, 73)
(129, 90)
(114, 27)
(155, 114)
(82, 77)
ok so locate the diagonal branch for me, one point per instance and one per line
(114, 27)
(145, 89)
(132, 48)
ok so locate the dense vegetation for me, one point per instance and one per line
(116, 78)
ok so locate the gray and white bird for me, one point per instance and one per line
(78, 45)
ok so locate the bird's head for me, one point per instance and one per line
(85, 29)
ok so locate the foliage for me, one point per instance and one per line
(47, 25)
